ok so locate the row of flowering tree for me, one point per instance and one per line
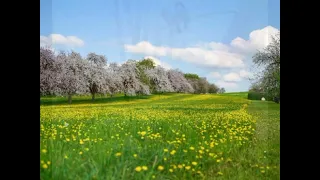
(69, 74)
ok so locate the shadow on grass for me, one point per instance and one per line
(53, 100)
(48, 101)
(243, 95)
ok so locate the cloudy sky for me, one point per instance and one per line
(213, 38)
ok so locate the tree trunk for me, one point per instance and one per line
(93, 96)
(69, 98)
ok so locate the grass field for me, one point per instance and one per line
(172, 136)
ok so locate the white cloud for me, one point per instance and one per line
(212, 54)
(230, 80)
(232, 77)
(214, 75)
(58, 39)
(225, 84)
(218, 46)
(214, 46)
(258, 39)
(158, 62)
(147, 48)
(194, 55)
(245, 74)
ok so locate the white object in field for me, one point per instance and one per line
(263, 99)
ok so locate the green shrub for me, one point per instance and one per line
(252, 95)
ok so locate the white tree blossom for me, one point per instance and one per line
(70, 77)
(179, 82)
(160, 79)
(130, 78)
(113, 80)
(48, 72)
(95, 74)
(69, 74)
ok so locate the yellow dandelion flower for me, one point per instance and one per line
(48, 162)
(191, 148)
(45, 166)
(173, 152)
(42, 162)
(165, 150)
(65, 156)
(81, 142)
(44, 151)
(135, 155)
(171, 170)
(179, 166)
(220, 173)
(118, 154)
(143, 133)
(138, 168)
(144, 168)
(160, 168)
(218, 160)
(188, 167)
(194, 163)
(80, 152)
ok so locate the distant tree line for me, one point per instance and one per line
(69, 74)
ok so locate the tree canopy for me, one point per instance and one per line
(68, 74)
(268, 81)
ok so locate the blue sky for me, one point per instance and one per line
(195, 36)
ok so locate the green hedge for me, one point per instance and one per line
(257, 96)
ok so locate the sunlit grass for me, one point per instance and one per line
(173, 136)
